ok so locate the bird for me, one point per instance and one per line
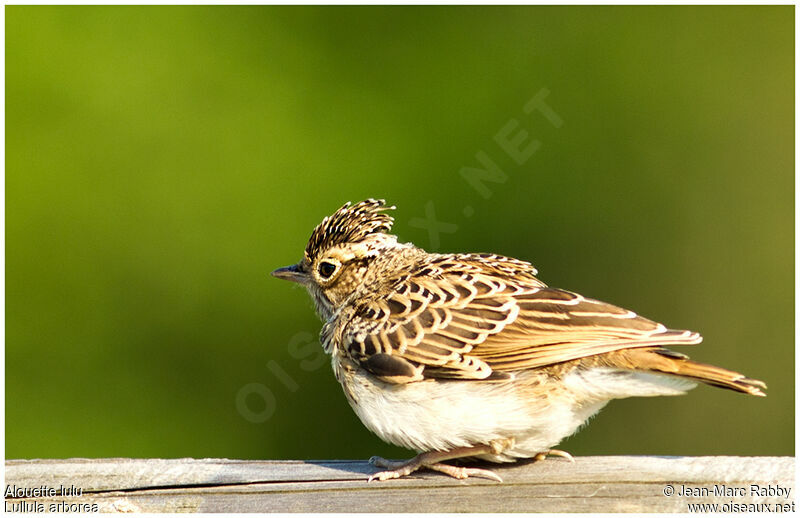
(470, 356)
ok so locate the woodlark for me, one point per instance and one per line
(471, 355)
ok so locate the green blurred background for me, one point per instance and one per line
(161, 161)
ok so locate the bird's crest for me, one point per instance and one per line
(349, 224)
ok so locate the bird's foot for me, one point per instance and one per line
(462, 473)
(398, 469)
(395, 469)
(556, 453)
(433, 460)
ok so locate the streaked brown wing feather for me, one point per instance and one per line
(480, 323)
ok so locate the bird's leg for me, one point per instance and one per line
(433, 460)
(557, 453)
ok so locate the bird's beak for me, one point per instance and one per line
(290, 273)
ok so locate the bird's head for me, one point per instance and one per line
(339, 252)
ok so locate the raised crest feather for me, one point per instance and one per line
(350, 224)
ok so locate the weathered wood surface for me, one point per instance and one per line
(590, 484)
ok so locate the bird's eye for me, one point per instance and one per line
(326, 269)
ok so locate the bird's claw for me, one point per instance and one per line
(556, 453)
(384, 475)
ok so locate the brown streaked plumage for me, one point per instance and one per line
(471, 355)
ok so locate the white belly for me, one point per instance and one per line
(435, 415)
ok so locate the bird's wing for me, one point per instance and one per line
(479, 324)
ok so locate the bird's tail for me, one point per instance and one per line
(661, 360)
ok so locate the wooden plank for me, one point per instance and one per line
(591, 484)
